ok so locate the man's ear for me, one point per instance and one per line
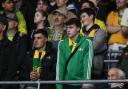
(92, 16)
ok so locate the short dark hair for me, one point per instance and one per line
(46, 2)
(42, 31)
(74, 21)
(89, 11)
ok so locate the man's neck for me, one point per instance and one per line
(11, 32)
(40, 25)
(89, 26)
(74, 38)
(63, 7)
(40, 49)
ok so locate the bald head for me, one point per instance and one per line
(116, 73)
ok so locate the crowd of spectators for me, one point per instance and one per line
(63, 40)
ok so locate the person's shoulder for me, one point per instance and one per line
(50, 47)
(63, 41)
(85, 40)
(18, 12)
(115, 12)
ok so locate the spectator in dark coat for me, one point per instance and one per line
(45, 54)
(7, 60)
(4, 43)
(16, 52)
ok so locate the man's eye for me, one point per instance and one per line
(70, 27)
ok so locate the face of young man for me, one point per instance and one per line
(41, 6)
(8, 5)
(86, 19)
(39, 41)
(58, 19)
(72, 30)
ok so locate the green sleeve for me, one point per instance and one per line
(88, 58)
(60, 68)
(21, 22)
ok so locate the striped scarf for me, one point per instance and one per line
(37, 60)
(52, 32)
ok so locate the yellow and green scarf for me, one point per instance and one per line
(37, 61)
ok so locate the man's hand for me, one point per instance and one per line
(34, 75)
(120, 85)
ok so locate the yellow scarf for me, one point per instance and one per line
(72, 43)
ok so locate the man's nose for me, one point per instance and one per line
(12, 4)
(68, 30)
(35, 40)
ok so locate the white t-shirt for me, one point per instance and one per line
(124, 19)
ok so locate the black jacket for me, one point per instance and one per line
(11, 56)
(107, 86)
(4, 52)
(8, 63)
(48, 71)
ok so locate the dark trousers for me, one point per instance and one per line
(65, 86)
